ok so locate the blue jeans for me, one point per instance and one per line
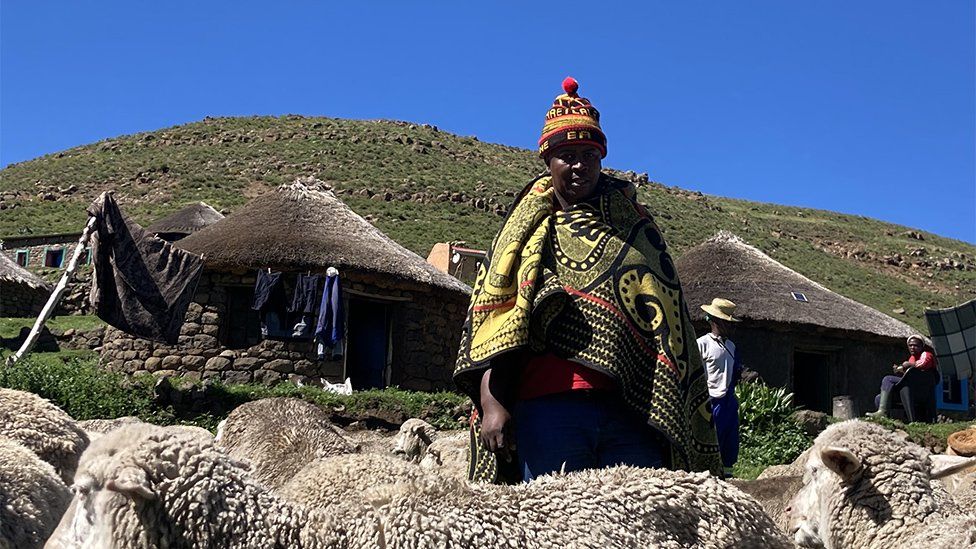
(583, 430)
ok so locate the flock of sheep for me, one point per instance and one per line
(279, 474)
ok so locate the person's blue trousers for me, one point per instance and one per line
(577, 430)
(887, 384)
(725, 416)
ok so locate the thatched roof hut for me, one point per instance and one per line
(794, 332)
(22, 293)
(399, 318)
(762, 288)
(304, 226)
(186, 221)
(11, 272)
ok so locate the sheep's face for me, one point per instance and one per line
(832, 473)
(108, 486)
(809, 516)
(413, 439)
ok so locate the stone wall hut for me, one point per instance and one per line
(403, 317)
(22, 293)
(795, 332)
(185, 222)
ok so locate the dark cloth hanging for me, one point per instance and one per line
(306, 289)
(269, 292)
(142, 284)
(329, 328)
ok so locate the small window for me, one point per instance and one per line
(85, 257)
(22, 257)
(800, 297)
(54, 258)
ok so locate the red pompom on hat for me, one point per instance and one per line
(572, 120)
(570, 86)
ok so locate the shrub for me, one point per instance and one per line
(769, 434)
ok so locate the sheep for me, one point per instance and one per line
(149, 487)
(278, 436)
(868, 487)
(95, 428)
(449, 455)
(346, 478)
(32, 497)
(43, 428)
(165, 488)
(414, 437)
(773, 494)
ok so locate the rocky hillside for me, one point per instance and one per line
(422, 185)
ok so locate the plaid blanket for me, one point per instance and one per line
(953, 333)
(594, 284)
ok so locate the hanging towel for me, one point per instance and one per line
(142, 284)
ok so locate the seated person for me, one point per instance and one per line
(921, 355)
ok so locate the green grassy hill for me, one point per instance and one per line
(422, 185)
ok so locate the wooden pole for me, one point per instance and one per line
(52, 301)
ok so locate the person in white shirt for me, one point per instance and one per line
(723, 367)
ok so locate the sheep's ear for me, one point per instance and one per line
(840, 461)
(131, 482)
(421, 431)
(944, 466)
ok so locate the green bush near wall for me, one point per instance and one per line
(73, 381)
(769, 433)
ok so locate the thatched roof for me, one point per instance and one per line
(304, 226)
(188, 220)
(725, 266)
(10, 271)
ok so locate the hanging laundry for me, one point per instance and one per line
(269, 291)
(142, 284)
(329, 329)
(306, 289)
(270, 299)
(303, 302)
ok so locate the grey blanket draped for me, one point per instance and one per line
(142, 284)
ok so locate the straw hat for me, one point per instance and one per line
(721, 308)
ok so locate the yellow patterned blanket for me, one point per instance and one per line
(594, 284)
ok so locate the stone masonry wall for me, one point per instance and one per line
(21, 300)
(426, 333)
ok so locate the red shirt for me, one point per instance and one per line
(548, 374)
(926, 361)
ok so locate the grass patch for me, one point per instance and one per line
(10, 327)
(73, 381)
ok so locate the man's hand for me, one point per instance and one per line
(496, 423)
(496, 430)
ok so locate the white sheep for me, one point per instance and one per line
(44, 428)
(149, 487)
(32, 497)
(867, 487)
(413, 438)
(279, 436)
(347, 478)
(448, 454)
(162, 487)
(95, 428)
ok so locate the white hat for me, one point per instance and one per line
(721, 308)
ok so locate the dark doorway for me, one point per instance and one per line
(240, 326)
(811, 381)
(368, 345)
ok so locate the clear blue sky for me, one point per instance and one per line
(865, 107)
